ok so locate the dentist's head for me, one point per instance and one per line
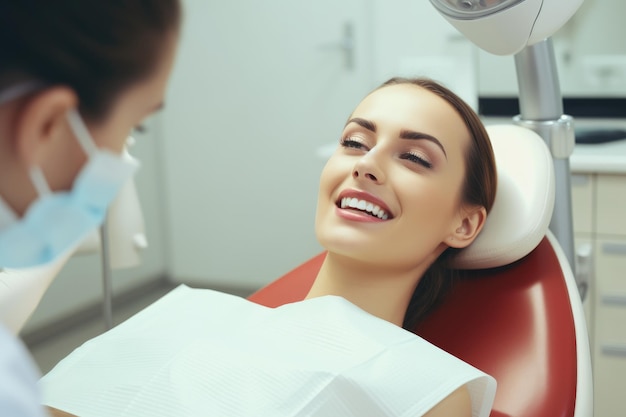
(75, 78)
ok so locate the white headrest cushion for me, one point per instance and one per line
(522, 210)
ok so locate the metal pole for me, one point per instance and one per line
(107, 298)
(541, 110)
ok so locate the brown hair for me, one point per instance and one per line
(97, 48)
(479, 189)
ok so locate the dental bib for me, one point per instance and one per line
(204, 353)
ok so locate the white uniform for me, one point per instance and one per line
(20, 292)
(201, 352)
(19, 394)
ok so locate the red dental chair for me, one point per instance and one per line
(517, 315)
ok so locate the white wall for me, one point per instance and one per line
(413, 39)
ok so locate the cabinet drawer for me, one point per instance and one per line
(582, 202)
(610, 330)
(610, 276)
(609, 360)
(611, 204)
(609, 380)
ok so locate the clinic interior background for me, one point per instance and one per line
(259, 93)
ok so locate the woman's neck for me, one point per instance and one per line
(381, 291)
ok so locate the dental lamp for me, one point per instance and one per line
(523, 28)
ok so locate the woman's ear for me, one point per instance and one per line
(42, 123)
(470, 223)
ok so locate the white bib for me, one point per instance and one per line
(204, 353)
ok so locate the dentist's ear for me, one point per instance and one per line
(41, 124)
(470, 223)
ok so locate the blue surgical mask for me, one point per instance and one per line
(56, 222)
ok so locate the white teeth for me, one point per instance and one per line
(363, 205)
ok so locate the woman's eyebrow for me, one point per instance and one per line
(409, 134)
(158, 107)
(404, 134)
(367, 124)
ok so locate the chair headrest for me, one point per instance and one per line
(524, 201)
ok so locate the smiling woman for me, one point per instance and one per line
(409, 185)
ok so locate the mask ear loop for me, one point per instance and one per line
(39, 181)
(84, 139)
(81, 132)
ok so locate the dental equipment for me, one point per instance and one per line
(523, 28)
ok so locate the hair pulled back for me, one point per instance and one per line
(478, 189)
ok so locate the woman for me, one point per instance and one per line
(410, 183)
(75, 79)
(421, 155)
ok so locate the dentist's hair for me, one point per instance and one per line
(97, 48)
(479, 189)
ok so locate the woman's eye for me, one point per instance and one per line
(351, 143)
(418, 159)
(141, 128)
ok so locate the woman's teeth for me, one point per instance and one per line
(363, 205)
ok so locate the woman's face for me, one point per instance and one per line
(390, 194)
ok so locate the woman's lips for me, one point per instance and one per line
(358, 216)
(362, 206)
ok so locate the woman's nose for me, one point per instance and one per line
(367, 168)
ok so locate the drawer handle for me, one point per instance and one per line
(614, 350)
(614, 248)
(584, 268)
(618, 300)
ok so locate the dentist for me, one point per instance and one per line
(75, 78)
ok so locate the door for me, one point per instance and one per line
(257, 88)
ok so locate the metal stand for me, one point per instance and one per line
(541, 110)
(107, 283)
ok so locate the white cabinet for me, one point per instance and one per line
(583, 190)
(582, 202)
(610, 324)
(611, 205)
(599, 202)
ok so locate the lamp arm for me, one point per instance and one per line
(541, 110)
